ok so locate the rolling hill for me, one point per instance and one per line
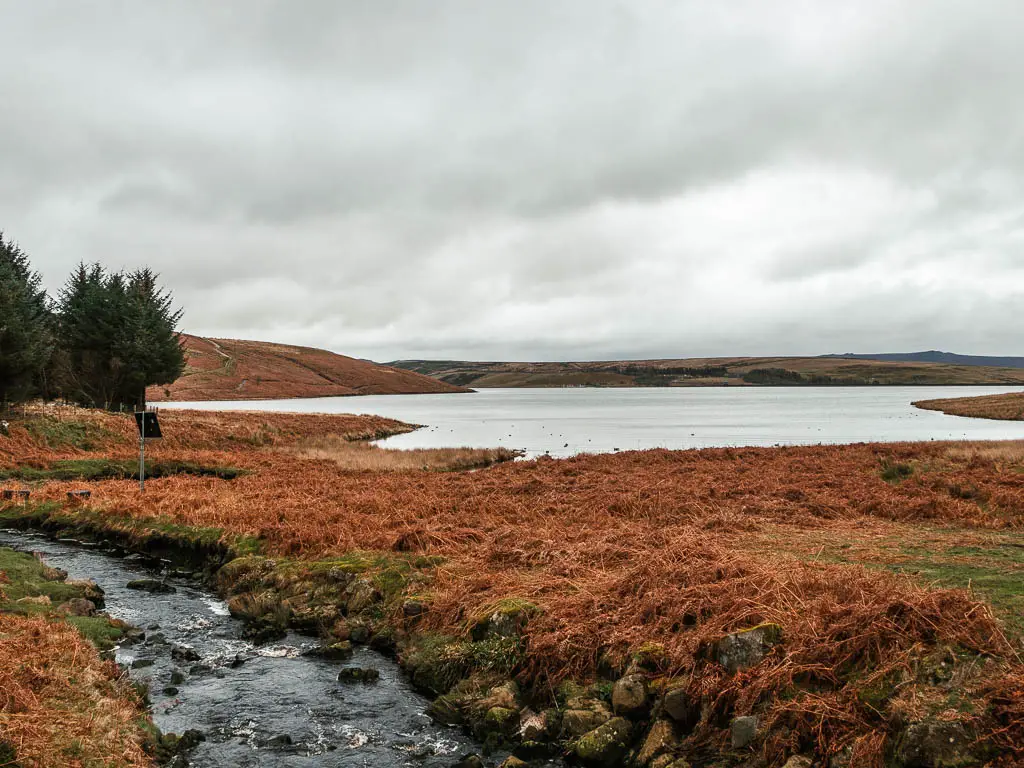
(713, 371)
(230, 369)
(934, 356)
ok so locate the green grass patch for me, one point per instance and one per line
(53, 516)
(60, 433)
(98, 630)
(115, 469)
(996, 574)
(895, 472)
(26, 577)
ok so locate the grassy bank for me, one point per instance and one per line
(858, 602)
(60, 704)
(1008, 407)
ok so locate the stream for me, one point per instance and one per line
(256, 706)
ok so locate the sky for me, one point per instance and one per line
(532, 179)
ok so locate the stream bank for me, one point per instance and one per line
(251, 705)
(637, 714)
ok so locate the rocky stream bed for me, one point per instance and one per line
(246, 704)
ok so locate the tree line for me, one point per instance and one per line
(99, 343)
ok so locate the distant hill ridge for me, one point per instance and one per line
(827, 370)
(233, 369)
(935, 356)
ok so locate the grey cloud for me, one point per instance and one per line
(537, 179)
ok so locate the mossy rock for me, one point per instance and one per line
(605, 746)
(504, 619)
(501, 720)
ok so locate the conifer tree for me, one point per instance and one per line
(118, 335)
(26, 330)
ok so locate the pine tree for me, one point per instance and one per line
(26, 330)
(118, 336)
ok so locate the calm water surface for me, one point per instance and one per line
(563, 422)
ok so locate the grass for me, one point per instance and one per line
(23, 576)
(997, 574)
(60, 704)
(55, 432)
(92, 470)
(362, 456)
(1008, 407)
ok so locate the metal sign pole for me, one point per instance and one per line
(142, 459)
(149, 427)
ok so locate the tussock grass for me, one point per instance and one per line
(368, 457)
(1003, 452)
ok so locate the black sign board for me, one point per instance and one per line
(147, 424)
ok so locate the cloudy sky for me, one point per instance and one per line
(533, 179)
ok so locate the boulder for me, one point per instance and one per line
(153, 586)
(503, 720)
(262, 632)
(78, 606)
(413, 608)
(605, 746)
(505, 695)
(680, 706)
(359, 631)
(936, 745)
(742, 650)
(576, 722)
(798, 761)
(660, 740)
(629, 696)
(334, 652)
(470, 761)
(184, 653)
(532, 725)
(743, 731)
(512, 762)
(358, 675)
(90, 590)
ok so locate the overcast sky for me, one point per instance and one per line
(533, 180)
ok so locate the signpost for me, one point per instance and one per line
(148, 426)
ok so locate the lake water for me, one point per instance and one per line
(563, 422)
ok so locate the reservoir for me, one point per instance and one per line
(564, 422)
